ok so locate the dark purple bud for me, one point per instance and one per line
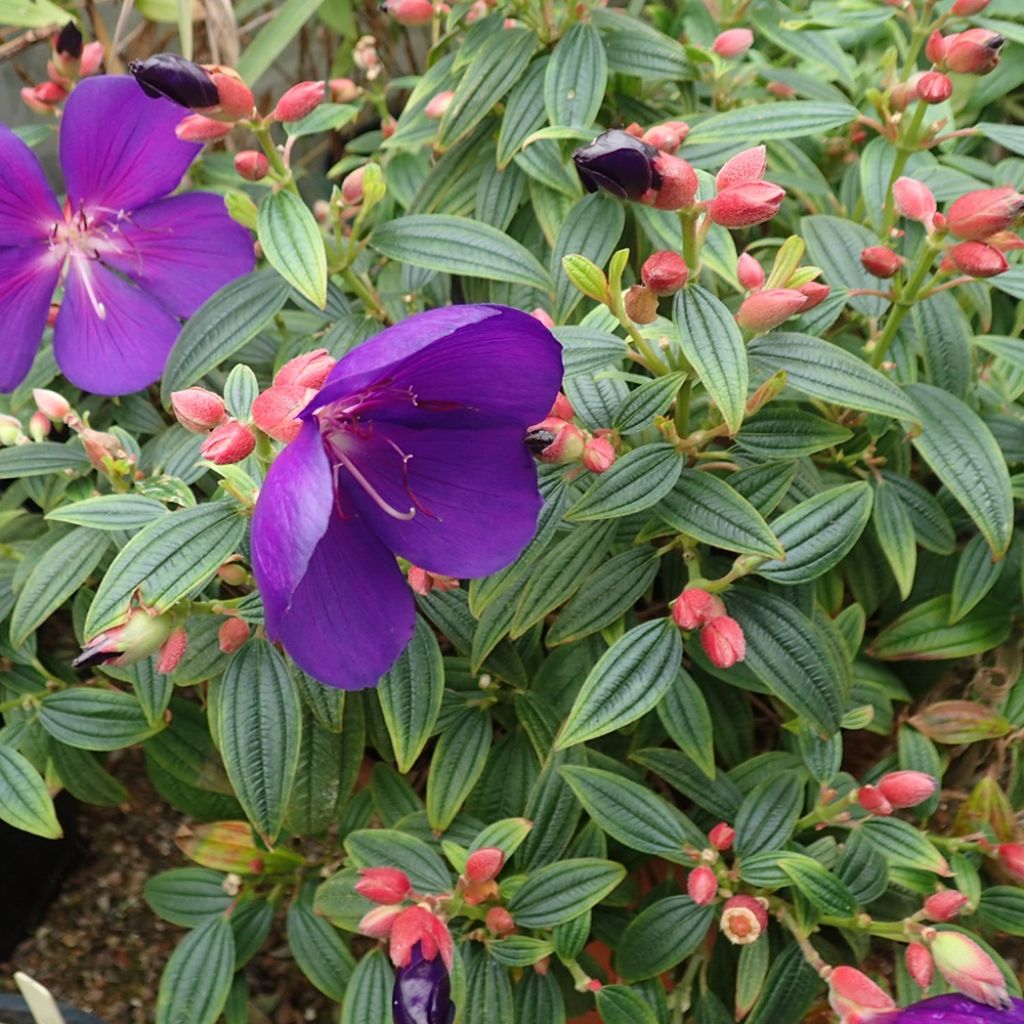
(177, 79)
(69, 41)
(619, 163)
(422, 992)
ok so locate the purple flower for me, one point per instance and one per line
(954, 1009)
(422, 993)
(619, 163)
(132, 261)
(414, 446)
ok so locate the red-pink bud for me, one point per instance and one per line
(383, 885)
(499, 921)
(641, 304)
(746, 204)
(965, 8)
(935, 48)
(275, 411)
(907, 789)
(484, 865)
(377, 923)
(855, 997)
(197, 409)
(438, 104)
(873, 800)
(235, 99)
(252, 165)
(980, 214)
(880, 261)
(309, 370)
(764, 310)
(343, 90)
(679, 184)
(230, 442)
(598, 454)
(92, 58)
(352, 186)
(733, 43)
(664, 272)
(197, 128)
(945, 905)
(410, 12)
(914, 200)
(562, 409)
(974, 52)
(1011, 855)
(723, 642)
(920, 965)
(696, 607)
(172, 651)
(556, 442)
(232, 635)
(41, 98)
(749, 272)
(299, 101)
(53, 405)
(814, 293)
(702, 885)
(418, 925)
(423, 582)
(39, 425)
(744, 919)
(978, 259)
(543, 316)
(968, 968)
(934, 87)
(744, 167)
(664, 137)
(721, 836)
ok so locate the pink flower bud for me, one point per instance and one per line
(945, 905)
(309, 370)
(92, 58)
(555, 441)
(418, 925)
(299, 101)
(965, 8)
(230, 442)
(196, 128)
(562, 409)
(1011, 855)
(914, 200)
(749, 272)
(235, 100)
(410, 12)
(251, 165)
(980, 214)
(814, 293)
(42, 98)
(352, 186)
(744, 167)
(746, 204)
(343, 90)
(51, 404)
(880, 261)
(702, 885)
(499, 921)
(781, 90)
(920, 965)
(39, 425)
(723, 642)
(663, 137)
(855, 997)
(484, 865)
(99, 447)
(907, 789)
(439, 104)
(679, 184)
(974, 52)
(873, 800)
(934, 87)
(721, 836)
(275, 411)
(598, 454)
(172, 651)
(935, 48)
(733, 43)
(543, 316)
(968, 968)
(197, 409)
(142, 635)
(744, 919)
(383, 885)
(978, 259)
(423, 582)
(641, 304)
(664, 272)
(377, 923)
(695, 607)
(232, 635)
(764, 310)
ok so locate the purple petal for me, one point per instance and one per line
(955, 1009)
(422, 992)
(28, 207)
(27, 280)
(474, 495)
(118, 147)
(353, 613)
(294, 507)
(120, 351)
(182, 249)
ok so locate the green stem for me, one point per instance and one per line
(904, 301)
(691, 250)
(281, 173)
(907, 145)
(364, 291)
(682, 411)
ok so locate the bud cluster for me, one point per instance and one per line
(765, 308)
(558, 441)
(721, 636)
(276, 410)
(897, 790)
(71, 58)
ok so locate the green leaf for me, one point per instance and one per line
(895, 532)
(368, 996)
(964, 455)
(576, 76)
(110, 512)
(564, 890)
(639, 50)
(83, 777)
(166, 561)
(976, 574)
(822, 370)
(863, 869)
(520, 950)
(931, 525)
(293, 244)
(25, 801)
(925, 632)
(459, 245)
(319, 951)
(1009, 136)
(259, 720)
(945, 337)
(647, 401)
(619, 1004)
(705, 507)
(240, 391)
(761, 122)
(274, 36)
(713, 345)
(196, 981)
(459, 759)
(817, 534)
(524, 112)
(903, 846)
(662, 935)
(41, 459)
(224, 323)
(638, 480)
(538, 997)
(790, 987)
(819, 885)
(628, 681)
(34, 14)
(328, 117)
(95, 719)
(684, 713)
(633, 815)
(187, 896)
(589, 234)
(489, 998)
(769, 813)
(835, 245)
(1001, 909)
(780, 434)
(381, 847)
(61, 570)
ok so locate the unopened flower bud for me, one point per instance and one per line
(556, 442)
(907, 789)
(423, 582)
(873, 800)
(733, 43)
(197, 409)
(749, 272)
(968, 968)
(484, 865)
(233, 574)
(234, 98)
(543, 316)
(352, 186)
(744, 919)
(39, 425)
(562, 409)
(723, 642)
(309, 370)
(438, 104)
(641, 304)
(814, 293)
(1011, 856)
(766, 309)
(197, 128)
(172, 651)
(499, 921)
(974, 52)
(383, 885)
(945, 905)
(678, 184)
(935, 48)
(978, 259)
(721, 836)
(51, 404)
(299, 101)
(855, 997)
(880, 261)
(598, 454)
(667, 137)
(68, 42)
(702, 885)
(417, 925)
(100, 447)
(41, 98)
(232, 635)
(746, 204)
(343, 90)
(920, 965)
(965, 8)
(10, 431)
(696, 607)
(252, 165)
(664, 272)
(140, 636)
(229, 443)
(171, 76)
(276, 410)
(984, 212)
(92, 58)
(377, 923)
(745, 167)
(410, 13)
(934, 87)
(914, 200)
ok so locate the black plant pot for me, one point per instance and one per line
(14, 1010)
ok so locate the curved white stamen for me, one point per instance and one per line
(85, 274)
(378, 499)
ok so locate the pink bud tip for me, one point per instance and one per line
(914, 200)
(935, 48)
(679, 184)
(721, 836)
(484, 865)
(968, 968)
(1011, 855)
(664, 272)
(235, 99)
(275, 411)
(974, 52)
(978, 259)
(562, 409)
(667, 137)
(764, 310)
(543, 316)
(438, 104)
(499, 921)
(196, 128)
(744, 167)
(696, 607)
(299, 100)
(251, 165)
(229, 443)
(965, 8)
(307, 371)
(53, 405)
(383, 885)
(733, 43)
(92, 58)
(232, 635)
(749, 272)
(873, 801)
(855, 997)
(641, 304)
(907, 789)
(723, 642)
(814, 293)
(172, 651)
(746, 204)
(744, 919)
(197, 409)
(418, 925)
(598, 454)
(352, 186)
(39, 425)
(934, 87)
(377, 923)
(920, 965)
(410, 12)
(702, 885)
(423, 582)
(945, 905)
(880, 261)
(979, 214)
